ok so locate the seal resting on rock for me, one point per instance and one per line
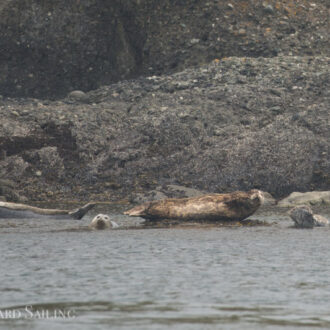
(15, 210)
(303, 217)
(102, 221)
(234, 206)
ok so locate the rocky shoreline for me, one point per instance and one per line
(213, 96)
(234, 124)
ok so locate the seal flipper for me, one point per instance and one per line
(80, 212)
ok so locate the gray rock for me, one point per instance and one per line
(152, 195)
(78, 96)
(311, 198)
(194, 41)
(268, 9)
(303, 217)
(177, 191)
(167, 191)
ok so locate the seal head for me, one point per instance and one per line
(102, 221)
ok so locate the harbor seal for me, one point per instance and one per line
(234, 206)
(20, 211)
(102, 221)
(303, 217)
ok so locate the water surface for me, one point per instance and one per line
(58, 273)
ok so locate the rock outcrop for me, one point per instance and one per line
(303, 217)
(237, 124)
(222, 97)
(310, 198)
(50, 48)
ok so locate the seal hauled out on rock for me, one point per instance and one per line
(234, 206)
(102, 221)
(16, 210)
(303, 217)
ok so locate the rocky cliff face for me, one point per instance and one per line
(258, 119)
(238, 123)
(51, 47)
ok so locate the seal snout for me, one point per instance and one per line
(100, 224)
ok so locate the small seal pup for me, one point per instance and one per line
(303, 217)
(234, 206)
(102, 221)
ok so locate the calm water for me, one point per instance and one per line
(57, 274)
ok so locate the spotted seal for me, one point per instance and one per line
(234, 206)
(102, 221)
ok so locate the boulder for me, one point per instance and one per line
(310, 198)
(303, 217)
